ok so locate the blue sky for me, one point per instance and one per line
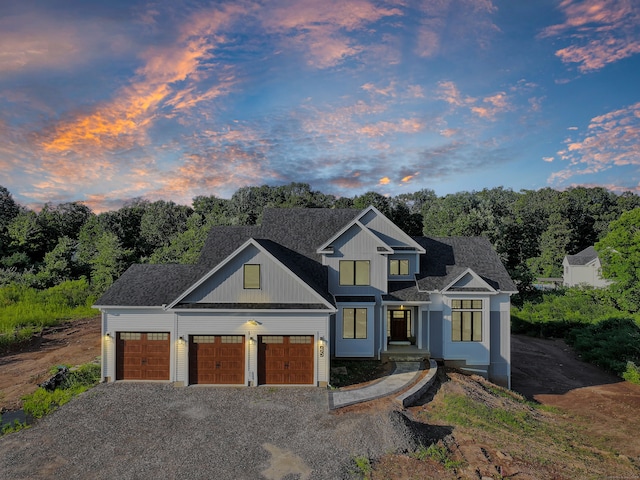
(101, 102)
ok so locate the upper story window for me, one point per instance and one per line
(251, 276)
(355, 272)
(466, 320)
(398, 267)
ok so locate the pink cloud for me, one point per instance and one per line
(601, 32)
(319, 27)
(488, 108)
(612, 140)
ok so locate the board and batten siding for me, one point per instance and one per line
(356, 244)
(135, 320)
(277, 284)
(241, 323)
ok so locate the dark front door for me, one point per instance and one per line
(400, 325)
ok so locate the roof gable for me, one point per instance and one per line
(371, 220)
(198, 290)
(448, 259)
(469, 281)
(584, 257)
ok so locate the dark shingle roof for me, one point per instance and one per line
(404, 292)
(151, 285)
(447, 258)
(582, 258)
(300, 230)
(293, 236)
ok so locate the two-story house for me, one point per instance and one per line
(583, 268)
(274, 302)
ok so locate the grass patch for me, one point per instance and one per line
(363, 465)
(42, 402)
(24, 311)
(438, 453)
(352, 372)
(16, 426)
(464, 411)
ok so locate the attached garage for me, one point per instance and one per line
(285, 360)
(143, 356)
(216, 359)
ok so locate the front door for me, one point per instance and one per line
(400, 325)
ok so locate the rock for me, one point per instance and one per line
(339, 370)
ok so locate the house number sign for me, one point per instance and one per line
(321, 349)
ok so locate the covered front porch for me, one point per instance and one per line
(405, 323)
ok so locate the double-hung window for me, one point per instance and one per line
(398, 267)
(354, 272)
(466, 320)
(251, 276)
(354, 323)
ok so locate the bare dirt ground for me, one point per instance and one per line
(548, 371)
(71, 343)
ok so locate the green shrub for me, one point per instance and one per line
(609, 344)
(42, 402)
(25, 310)
(632, 373)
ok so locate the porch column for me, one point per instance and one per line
(419, 328)
(383, 335)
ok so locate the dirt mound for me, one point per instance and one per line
(72, 343)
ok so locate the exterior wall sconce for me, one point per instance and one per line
(182, 339)
(253, 322)
(108, 334)
(252, 340)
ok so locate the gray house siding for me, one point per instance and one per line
(436, 334)
(277, 285)
(356, 244)
(499, 368)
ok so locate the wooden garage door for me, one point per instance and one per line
(285, 360)
(142, 356)
(217, 359)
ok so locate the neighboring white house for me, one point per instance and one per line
(273, 303)
(583, 268)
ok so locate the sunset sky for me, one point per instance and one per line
(104, 101)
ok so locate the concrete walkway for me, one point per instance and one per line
(404, 375)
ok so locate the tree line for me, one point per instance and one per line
(532, 230)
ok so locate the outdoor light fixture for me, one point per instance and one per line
(182, 338)
(252, 340)
(108, 334)
(253, 322)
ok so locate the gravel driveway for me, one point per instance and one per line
(140, 430)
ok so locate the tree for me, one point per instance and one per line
(58, 264)
(9, 209)
(619, 253)
(554, 244)
(373, 198)
(125, 223)
(27, 235)
(162, 221)
(109, 262)
(185, 247)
